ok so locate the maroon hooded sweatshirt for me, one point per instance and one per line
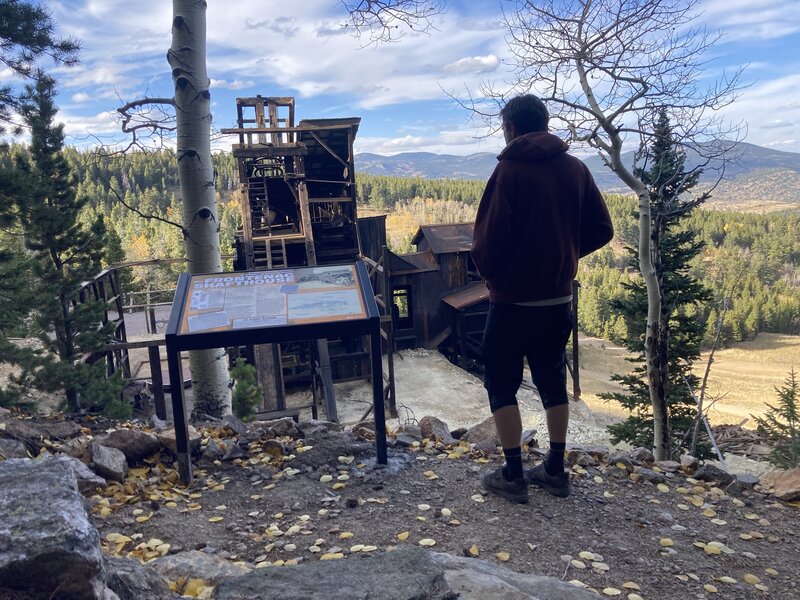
(540, 212)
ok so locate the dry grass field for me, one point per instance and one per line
(743, 377)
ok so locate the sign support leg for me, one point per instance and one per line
(377, 396)
(179, 414)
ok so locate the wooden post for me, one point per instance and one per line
(157, 384)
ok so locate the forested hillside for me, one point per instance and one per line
(751, 260)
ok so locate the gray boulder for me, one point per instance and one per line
(31, 433)
(167, 439)
(315, 427)
(712, 473)
(108, 462)
(650, 475)
(474, 579)
(47, 541)
(405, 574)
(235, 424)
(435, 429)
(88, 481)
(194, 564)
(643, 456)
(485, 430)
(12, 449)
(135, 445)
(131, 580)
(275, 428)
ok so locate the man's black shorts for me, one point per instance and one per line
(538, 333)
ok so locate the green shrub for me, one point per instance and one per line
(247, 393)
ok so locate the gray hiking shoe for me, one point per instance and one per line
(558, 485)
(513, 491)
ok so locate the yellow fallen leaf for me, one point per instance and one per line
(709, 549)
(357, 548)
(770, 571)
(752, 579)
(403, 536)
(710, 588)
(745, 536)
(726, 579)
(427, 542)
(607, 494)
(143, 518)
(194, 587)
(215, 519)
(345, 535)
(578, 564)
(666, 542)
(709, 512)
(761, 587)
(338, 486)
(612, 591)
(630, 585)
(473, 550)
(369, 548)
(423, 507)
(663, 487)
(477, 498)
(634, 597)
(331, 556)
(503, 556)
(326, 478)
(446, 512)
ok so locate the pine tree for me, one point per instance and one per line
(681, 333)
(63, 254)
(27, 35)
(781, 425)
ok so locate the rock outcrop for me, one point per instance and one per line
(48, 545)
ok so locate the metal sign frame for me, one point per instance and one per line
(327, 323)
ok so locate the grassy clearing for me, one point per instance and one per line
(742, 378)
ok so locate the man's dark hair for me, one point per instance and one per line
(526, 113)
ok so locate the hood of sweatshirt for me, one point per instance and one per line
(536, 146)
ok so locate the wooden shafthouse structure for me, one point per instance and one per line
(298, 205)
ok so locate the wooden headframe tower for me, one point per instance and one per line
(298, 205)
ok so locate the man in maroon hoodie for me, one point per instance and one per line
(540, 212)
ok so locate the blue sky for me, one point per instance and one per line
(277, 48)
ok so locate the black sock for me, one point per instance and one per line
(554, 463)
(513, 467)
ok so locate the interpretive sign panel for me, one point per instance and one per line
(255, 299)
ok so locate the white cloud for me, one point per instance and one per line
(473, 64)
(749, 19)
(81, 97)
(236, 84)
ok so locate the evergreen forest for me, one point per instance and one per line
(750, 261)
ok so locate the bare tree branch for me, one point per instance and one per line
(386, 20)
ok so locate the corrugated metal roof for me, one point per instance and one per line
(467, 296)
(445, 239)
(417, 262)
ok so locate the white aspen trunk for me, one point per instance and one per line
(187, 57)
(661, 434)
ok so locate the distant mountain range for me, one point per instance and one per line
(755, 178)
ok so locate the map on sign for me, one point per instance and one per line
(250, 299)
